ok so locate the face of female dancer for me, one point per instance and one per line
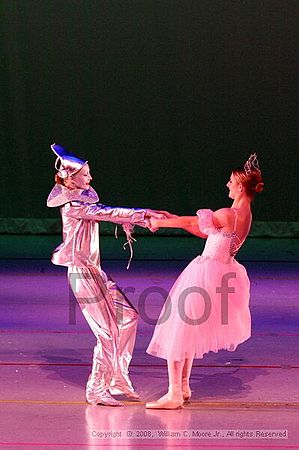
(80, 180)
(234, 187)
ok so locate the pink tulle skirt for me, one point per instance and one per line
(207, 310)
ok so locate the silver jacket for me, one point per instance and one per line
(81, 212)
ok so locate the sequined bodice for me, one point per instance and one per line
(220, 245)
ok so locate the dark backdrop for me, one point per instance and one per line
(164, 97)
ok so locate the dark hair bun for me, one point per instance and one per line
(259, 187)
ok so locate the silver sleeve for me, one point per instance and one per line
(99, 212)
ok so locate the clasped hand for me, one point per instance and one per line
(156, 216)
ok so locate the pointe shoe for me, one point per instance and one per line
(172, 400)
(167, 404)
(186, 394)
(102, 398)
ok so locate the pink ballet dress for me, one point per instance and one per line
(208, 306)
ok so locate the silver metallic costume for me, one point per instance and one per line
(108, 312)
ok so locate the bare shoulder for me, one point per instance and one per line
(223, 217)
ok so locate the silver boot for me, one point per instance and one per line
(96, 394)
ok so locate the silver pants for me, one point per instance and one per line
(113, 321)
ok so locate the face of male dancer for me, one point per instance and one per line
(80, 180)
(234, 187)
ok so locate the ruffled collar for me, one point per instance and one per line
(60, 195)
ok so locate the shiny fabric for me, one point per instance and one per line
(108, 312)
(126, 319)
(69, 163)
(113, 321)
(80, 216)
(60, 195)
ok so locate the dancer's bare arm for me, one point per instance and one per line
(188, 223)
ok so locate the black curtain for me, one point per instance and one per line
(163, 97)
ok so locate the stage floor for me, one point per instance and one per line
(238, 397)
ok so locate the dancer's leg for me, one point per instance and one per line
(186, 391)
(173, 399)
(126, 318)
(98, 309)
(175, 369)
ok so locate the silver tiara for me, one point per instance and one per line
(252, 163)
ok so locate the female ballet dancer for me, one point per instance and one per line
(110, 315)
(208, 306)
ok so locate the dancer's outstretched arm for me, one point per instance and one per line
(188, 223)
